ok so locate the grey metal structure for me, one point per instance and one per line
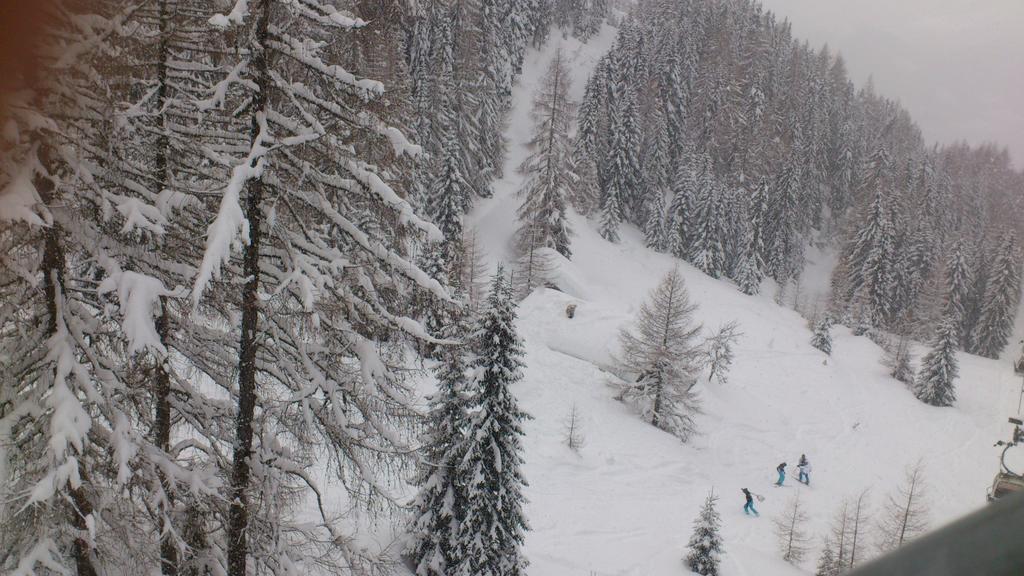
(989, 542)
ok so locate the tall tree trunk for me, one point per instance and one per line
(79, 507)
(162, 439)
(658, 391)
(238, 519)
(162, 384)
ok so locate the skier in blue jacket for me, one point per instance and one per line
(781, 469)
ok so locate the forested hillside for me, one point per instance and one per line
(237, 245)
(734, 145)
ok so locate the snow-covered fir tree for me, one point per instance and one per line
(707, 239)
(718, 351)
(572, 429)
(680, 222)
(869, 262)
(822, 337)
(959, 279)
(490, 534)
(92, 252)
(827, 563)
(935, 382)
(535, 267)
(655, 232)
(442, 499)
(657, 181)
(896, 356)
(660, 354)
(706, 542)
(300, 200)
(620, 178)
(448, 193)
(999, 306)
(473, 280)
(547, 174)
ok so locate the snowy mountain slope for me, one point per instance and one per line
(625, 504)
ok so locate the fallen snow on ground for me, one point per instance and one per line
(625, 504)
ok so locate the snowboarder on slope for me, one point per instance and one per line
(805, 470)
(781, 469)
(748, 508)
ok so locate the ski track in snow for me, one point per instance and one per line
(624, 505)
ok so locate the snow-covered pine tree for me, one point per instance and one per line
(896, 355)
(681, 221)
(999, 307)
(869, 261)
(822, 338)
(322, 339)
(657, 182)
(572, 429)
(473, 280)
(548, 178)
(782, 229)
(441, 501)
(789, 529)
(760, 214)
(959, 280)
(718, 350)
(706, 542)
(82, 357)
(535, 266)
(477, 109)
(827, 561)
(939, 368)
(906, 512)
(610, 213)
(707, 247)
(982, 268)
(501, 36)
(655, 234)
(587, 149)
(448, 194)
(155, 158)
(660, 353)
(445, 207)
(619, 182)
(748, 275)
(490, 534)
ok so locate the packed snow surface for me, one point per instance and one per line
(625, 504)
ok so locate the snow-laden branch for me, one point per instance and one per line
(236, 17)
(230, 219)
(19, 199)
(139, 296)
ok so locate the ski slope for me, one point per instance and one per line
(624, 505)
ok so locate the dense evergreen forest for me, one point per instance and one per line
(233, 232)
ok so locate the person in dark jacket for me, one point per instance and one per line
(781, 469)
(748, 508)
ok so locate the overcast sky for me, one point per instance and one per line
(957, 65)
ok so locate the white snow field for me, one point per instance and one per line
(625, 504)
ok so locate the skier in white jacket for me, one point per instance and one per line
(805, 470)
